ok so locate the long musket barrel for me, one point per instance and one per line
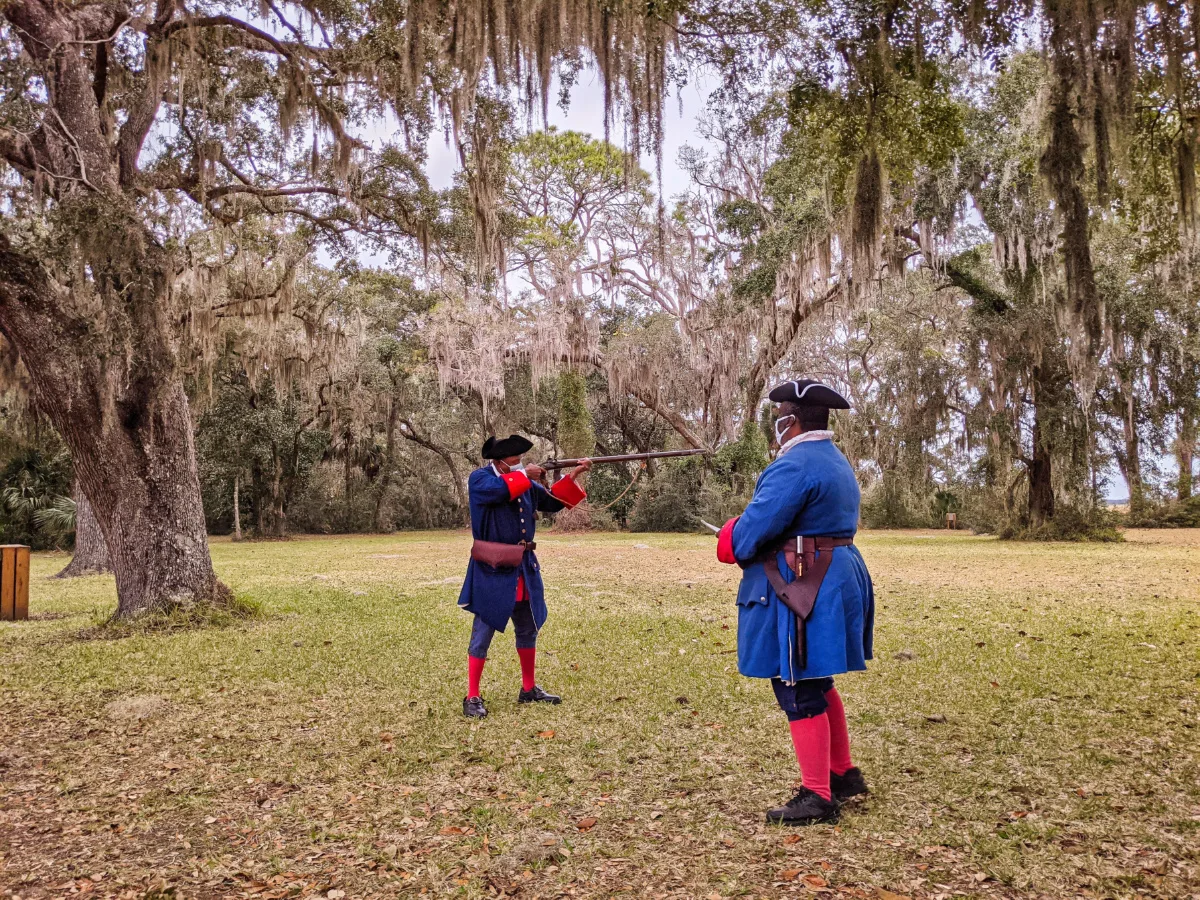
(552, 464)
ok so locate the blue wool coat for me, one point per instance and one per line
(489, 592)
(809, 490)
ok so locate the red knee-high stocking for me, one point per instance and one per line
(474, 673)
(528, 655)
(811, 740)
(839, 734)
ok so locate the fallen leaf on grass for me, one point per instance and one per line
(546, 734)
(792, 839)
(586, 824)
(816, 882)
(789, 874)
(937, 719)
(889, 895)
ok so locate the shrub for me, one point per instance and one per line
(1176, 514)
(889, 503)
(664, 510)
(1070, 523)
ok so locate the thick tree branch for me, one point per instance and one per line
(18, 151)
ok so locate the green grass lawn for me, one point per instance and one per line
(1028, 728)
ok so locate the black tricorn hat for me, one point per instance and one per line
(513, 445)
(804, 392)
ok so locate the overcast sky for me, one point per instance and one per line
(586, 114)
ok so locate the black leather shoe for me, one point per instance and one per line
(473, 708)
(806, 808)
(849, 784)
(537, 695)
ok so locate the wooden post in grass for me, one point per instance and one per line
(14, 582)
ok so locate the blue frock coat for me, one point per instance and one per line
(490, 592)
(809, 490)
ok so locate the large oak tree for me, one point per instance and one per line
(147, 145)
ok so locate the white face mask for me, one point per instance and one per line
(780, 432)
(519, 467)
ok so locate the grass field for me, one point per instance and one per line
(1029, 728)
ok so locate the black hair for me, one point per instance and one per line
(810, 418)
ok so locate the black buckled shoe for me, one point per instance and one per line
(849, 784)
(806, 808)
(473, 708)
(537, 695)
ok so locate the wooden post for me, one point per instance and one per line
(952, 520)
(14, 582)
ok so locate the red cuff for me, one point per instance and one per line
(725, 542)
(518, 483)
(566, 490)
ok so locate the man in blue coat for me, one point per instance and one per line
(504, 580)
(806, 607)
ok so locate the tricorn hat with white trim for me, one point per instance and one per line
(513, 445)
(804, 392)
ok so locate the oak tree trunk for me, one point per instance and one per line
(237, 508)
(1129, 455)
(389, 462)
(91, 553)
(1185, 455)
(129, 430)
(1041, 482)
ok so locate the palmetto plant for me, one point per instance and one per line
(56, 520)
(37, 507)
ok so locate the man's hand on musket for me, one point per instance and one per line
(535, 473)
(583, 467)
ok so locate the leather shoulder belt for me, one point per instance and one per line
(498, 555)
(800, 595)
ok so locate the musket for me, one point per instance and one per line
(552, 464)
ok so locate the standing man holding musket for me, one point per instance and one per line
(806, 607)
(504, 580)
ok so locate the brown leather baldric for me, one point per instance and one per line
(800, 595)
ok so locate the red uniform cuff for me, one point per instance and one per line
(725, 542)
(566, 490)
(518, 483)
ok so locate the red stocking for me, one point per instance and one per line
(839, 734)
(528, 655)
(811, 740)
(474, 673)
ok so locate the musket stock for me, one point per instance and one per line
(552, 464)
